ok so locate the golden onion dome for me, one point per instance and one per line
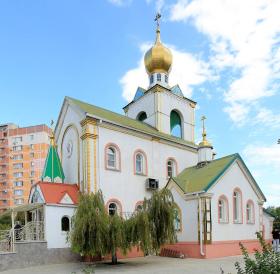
(158, 58)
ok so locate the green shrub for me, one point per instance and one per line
(265, 261)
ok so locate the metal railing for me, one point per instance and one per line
(32, 231)
(6, 244)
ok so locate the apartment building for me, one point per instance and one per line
(23, 151)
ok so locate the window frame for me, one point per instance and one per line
(179, 211)
(116, 149)
(69, 224)
(172, 125)
(144, 163)
(174, 167)
(224, 200)
(118, 204)
(237, 219)
(252, 209)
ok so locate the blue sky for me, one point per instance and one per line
(226, 57)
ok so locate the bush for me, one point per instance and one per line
(265, 261)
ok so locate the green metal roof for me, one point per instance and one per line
(199, 179)
(125, 121)
(53, 171)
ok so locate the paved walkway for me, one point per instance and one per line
(151, 265)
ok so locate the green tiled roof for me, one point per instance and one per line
(125, 121)
(199, 179)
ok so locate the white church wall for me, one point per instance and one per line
(189, 218)
(234, 178)
(69, 144)
(56, 238)
(168, 102)
(124, 185)
(268, 225)
(146, 104)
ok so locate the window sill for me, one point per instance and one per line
(223, 222)
(113, 169)
(140, 174)
(250, 223)
(237, 222)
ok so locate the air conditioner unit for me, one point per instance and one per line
(152, 184)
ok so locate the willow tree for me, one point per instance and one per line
(96, 233)
(90, 226)
(116, 238)
(160, 210)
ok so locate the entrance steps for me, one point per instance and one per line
(172, 253)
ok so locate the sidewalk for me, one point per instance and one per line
(150, 264)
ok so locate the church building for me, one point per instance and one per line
(150, 147)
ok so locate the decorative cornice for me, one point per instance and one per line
(88, 121)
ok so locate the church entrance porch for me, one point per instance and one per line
(29, 228)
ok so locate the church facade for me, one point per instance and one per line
(152, 146)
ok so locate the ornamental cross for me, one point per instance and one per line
(203, 118)
(157, 19)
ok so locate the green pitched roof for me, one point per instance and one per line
(125, 121)
(53, 171)
(199, 179)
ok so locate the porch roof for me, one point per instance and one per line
(23, 208)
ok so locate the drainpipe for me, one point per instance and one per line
(200, 226)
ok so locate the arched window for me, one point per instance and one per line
(65, 223)
(175, 124)
(139, 207)
(166, 78)
(151, 79)
(250, 212)
(177, 219)
(223, 209)
(36, 197)
(113, 209)
(159, 77)
(112, 157)
(139, 163)
(171, 168)
(237, 206)
(142, 116)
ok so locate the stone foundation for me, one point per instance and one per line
(35, 253)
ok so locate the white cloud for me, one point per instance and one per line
(264, 161)
(244, 36)
(187, 70)
(120, 2)
(268, 156)
(267, 117)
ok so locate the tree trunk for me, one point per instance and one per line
(114, 258)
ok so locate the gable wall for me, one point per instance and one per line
(68, 135)
(233, 178)
(53, 215)
(189, 219)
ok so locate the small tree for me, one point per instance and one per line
(265, 262)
